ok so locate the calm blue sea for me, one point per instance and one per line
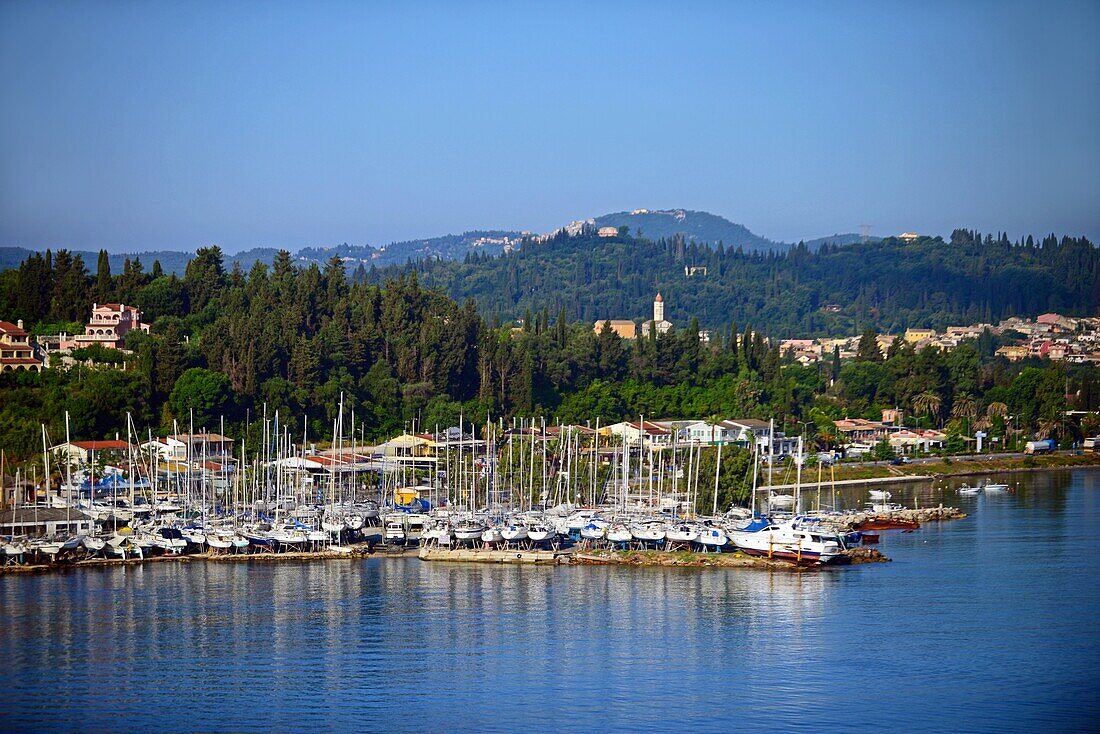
(991, 623)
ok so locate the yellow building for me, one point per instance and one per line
(622, 327)
(916, 335)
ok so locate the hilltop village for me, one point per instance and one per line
(1049, 336)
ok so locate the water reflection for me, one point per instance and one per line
(401, 645)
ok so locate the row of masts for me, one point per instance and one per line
(512, 470)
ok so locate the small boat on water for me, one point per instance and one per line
(994, 487)
(967, 489)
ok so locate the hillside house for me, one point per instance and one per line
(108, 327)
(16, 352)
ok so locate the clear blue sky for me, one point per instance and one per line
(140, 125)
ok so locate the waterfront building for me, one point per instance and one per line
(39, 521)
(648, 433)
(858, 430)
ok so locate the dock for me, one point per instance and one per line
(496, 555)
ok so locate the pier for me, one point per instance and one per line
(496, 555)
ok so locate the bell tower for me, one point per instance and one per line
(658, 309)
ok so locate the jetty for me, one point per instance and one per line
(494, 555)
(689, 559)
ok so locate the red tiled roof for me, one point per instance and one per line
(9, 328)
(100, 445)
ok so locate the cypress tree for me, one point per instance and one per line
(103, 288)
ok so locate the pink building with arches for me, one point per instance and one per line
(109, 325)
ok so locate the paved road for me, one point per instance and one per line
(780, 468)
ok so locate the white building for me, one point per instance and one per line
(658, 321)
(647, 433)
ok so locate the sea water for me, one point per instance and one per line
(989, 623)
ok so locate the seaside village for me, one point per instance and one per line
(526, 487)
(1050, 336)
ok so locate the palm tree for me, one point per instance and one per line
(1049, 427)
(927, 403)
(965, 406)
(996, 409)
(964, 409)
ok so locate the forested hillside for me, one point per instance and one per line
(234, 344)
(888, 285)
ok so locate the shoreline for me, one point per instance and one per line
(958, 467)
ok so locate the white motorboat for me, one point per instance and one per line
(884, 507)
(781, 501)
(789, 541)
(994, 487)
(967, 489)
(879, 494)
(394, 531)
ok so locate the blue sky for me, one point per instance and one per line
(146, 125)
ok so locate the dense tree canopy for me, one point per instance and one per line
(296, 339)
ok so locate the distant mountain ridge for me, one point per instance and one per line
(695, 226)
